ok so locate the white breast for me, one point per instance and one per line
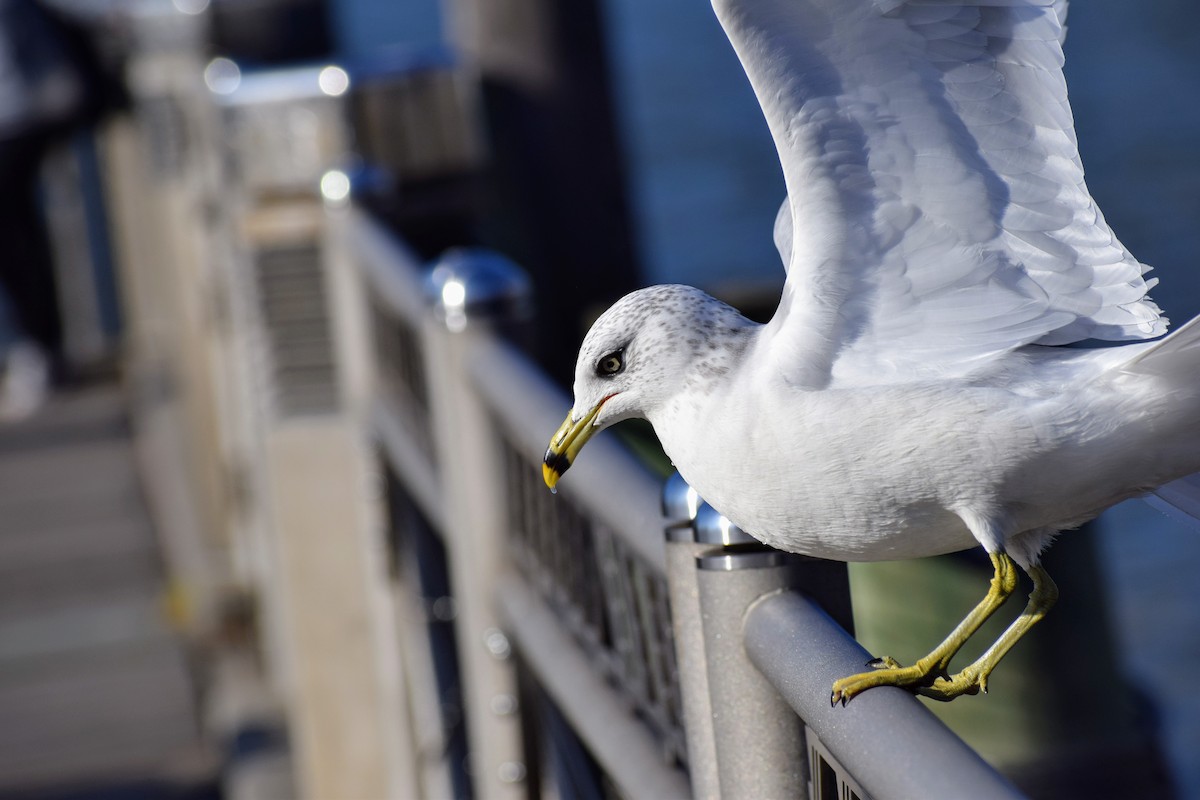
(854, 474)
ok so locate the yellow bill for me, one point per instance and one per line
(567, 441)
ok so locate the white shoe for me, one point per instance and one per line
(26, 381)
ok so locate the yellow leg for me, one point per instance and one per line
(974, 677)
(934, 667)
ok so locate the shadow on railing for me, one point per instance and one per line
(589, 646)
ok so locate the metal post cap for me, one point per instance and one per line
(681, 505)
(680, 502)
(712, 528)
(474, 283)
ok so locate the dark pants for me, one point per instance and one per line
(26, 267)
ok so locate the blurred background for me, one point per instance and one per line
(235, 235)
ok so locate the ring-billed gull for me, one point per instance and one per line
(906, 398)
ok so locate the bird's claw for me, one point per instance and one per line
(969, 681)
(848, 688)
(929, 680)
(887, 671)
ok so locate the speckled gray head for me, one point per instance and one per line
(648, 346)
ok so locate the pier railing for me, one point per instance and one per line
(677, 657)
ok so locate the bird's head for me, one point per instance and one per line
(638, 355)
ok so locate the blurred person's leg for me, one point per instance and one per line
(32, 323)
(26, 265)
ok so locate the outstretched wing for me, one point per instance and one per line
(937, 213)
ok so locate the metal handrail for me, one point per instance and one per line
(761, 652)
(889, 742)
(405, 459)
(392, 277)
(390, 269)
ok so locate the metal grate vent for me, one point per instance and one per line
(295, 313)
(829, 779)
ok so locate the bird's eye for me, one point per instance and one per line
(611, 364)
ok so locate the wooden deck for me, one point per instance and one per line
(95, 690)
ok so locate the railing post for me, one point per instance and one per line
(680, 506)
(744, 741)
(474, 293)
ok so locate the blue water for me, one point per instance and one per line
(706, 186)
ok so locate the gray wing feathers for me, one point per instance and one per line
(937, 211)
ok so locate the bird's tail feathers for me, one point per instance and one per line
(1175, 356)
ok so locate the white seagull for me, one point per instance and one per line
(907, 399)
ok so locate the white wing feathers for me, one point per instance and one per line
(937, 212)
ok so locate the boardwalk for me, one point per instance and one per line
(95, 691)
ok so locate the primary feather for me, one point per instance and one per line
(937, 212)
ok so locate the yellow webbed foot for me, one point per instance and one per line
(886, 671)
(930, 674)
(974, 678)
(969, 681)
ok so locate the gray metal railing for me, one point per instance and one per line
(690, 664)
(889, 744)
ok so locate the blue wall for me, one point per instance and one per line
(366, 26)
(1133, 70)
(704, 176)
